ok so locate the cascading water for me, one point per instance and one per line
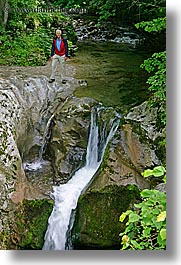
(66, 195)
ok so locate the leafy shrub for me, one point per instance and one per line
(25, 50)
(156, 66)
(157, 172)
(146, 225)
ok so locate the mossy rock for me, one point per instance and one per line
(97, 223)
(32, 223)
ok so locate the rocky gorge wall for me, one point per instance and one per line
(26, 106)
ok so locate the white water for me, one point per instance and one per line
(66, 195)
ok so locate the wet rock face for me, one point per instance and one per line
(68, 143)
(39, 99)
(143, 119)
(12, 118)
(25, 107)
(146, 119)
(12, 176)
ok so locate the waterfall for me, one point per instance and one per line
(66, 195)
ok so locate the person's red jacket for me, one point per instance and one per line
(63, 48)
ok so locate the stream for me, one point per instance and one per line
(112, 73)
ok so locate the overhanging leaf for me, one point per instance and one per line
(158, 171)
(163, 233)
(146, 232)
(136, 245)
(147, 193)
(123, 215)
(147, 173)
(161, 217)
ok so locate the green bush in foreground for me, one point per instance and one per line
(146, 228)
(146, 225)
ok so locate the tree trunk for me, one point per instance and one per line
(1, 12)
(4, 12)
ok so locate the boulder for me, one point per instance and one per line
(97, 223)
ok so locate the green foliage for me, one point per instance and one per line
(156, 24)
(158, 171)
(70, 3)
(26, 49)
(129, 10)
(28, 36)
(146, 226)
(105, 8)
(157, 66)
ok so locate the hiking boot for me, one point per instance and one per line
(51, 80)
(63, 81)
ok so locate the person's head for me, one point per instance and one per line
(58, 33)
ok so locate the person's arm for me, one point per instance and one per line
(66, 48)
(52, 50)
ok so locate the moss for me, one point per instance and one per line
(4, 240)
(106, 156)
(82, 143)
(97, 223)
(33, 222)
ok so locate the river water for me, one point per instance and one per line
(113, 73)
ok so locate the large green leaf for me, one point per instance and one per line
(147, 193)
(158, 171)
(136, 245)
(146, 232)
(133, 217)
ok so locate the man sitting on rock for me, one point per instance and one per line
(59, 54)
